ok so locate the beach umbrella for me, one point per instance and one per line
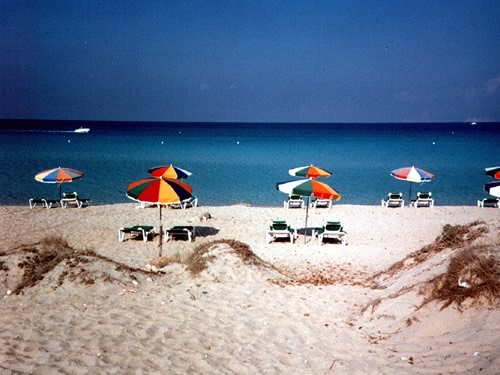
(308, 188)
(493, 188)
(309, 171)
(169, 171)
(59, 176)
(493, 172)
(159, 191)
(412, 174)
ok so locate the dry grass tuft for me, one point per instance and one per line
(451, 237)
(3, 266)
(40, 259)
(199, 259)
(473, 273)
(164, 260)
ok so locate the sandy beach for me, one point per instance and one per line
(304, 308)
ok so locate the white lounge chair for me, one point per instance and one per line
(38, 201)
(317, 203)
(72, 198)
(393, 200)
(190, 202)
(489, 202)
(294, 201)
(424, 199)
(69, 198)
(144, 230)
(187, 231)
(280, 229)
(331, 229)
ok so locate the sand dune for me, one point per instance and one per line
(102, 314)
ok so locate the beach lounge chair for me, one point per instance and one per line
(187, 231)
(318, 203)
(331, 229)
(393, 200)
(190, 202)
(69, 198)
(143, 230)
(280, 229)
(38, 201)
(294, 201)
(72, 198)
(424, 199)
(489, 202)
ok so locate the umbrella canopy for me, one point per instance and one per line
(308, 188)
(309, 171)
(493, 188)
(58, 175)
(169, 171)
(493, 172)
(412, 174)
(159, 191)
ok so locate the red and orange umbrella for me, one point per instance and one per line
(309, 171)
(308, 188)
(169, 171)
(159, 191)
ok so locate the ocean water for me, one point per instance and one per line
(241, 163)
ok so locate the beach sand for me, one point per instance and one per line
(310, 309)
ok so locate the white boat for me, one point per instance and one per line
(82, 130)
(473, 123)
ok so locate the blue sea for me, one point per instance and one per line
(242, 162)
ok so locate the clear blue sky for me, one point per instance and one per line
(250, 61)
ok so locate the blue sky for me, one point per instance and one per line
(251, 61)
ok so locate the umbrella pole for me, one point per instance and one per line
(305, 228)
(409, 197)
(161, 236)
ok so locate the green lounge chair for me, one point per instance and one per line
(331, 229)
(489, 202)
(143, 230)
(424, 199)
(187, 231)
(393, 200)
(280, 229)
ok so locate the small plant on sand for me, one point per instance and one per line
(198, 260)
(196, 295)
(42, 258)
(3, 266)
(452, 237)
(473, 274)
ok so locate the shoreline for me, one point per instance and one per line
(396, 231)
